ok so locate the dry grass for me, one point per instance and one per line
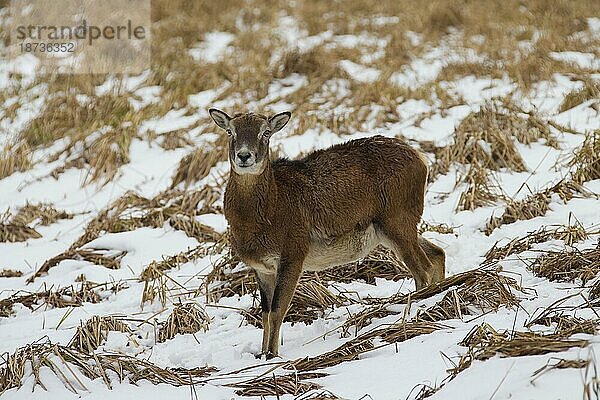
(568, 265)
(44, 212)
(19, 229)
(156, 268)
(17, 233)
(589, 91)
(478, 140)
(586, 159)
(486, 138)
(71, 296)
(439, 287)
(454, 70)
(94, 256)
(536, 204)
(479, 289)
(352, 349)
(175, 139)
(439, 228)
(185, 318)
(196, 165)
(292, 384)
(565, 324)
(70, 365)
(480, 191)
(349, 351)
(363, 318)
(485, 141)
(9, 273)
(487, 293)
(94, 332)
(311, 299)
(568, 234)
(169, 206)
(109, 119)
(14, 159)
(484, 342)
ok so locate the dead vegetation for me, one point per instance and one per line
(18, 228)
(14, 159)
(480, 191)
(589, 91)
(312, 297)
(71, 365)
(536, 204)
(487, 137)
(70, 296)
(197, 164)
(9, 273)
(485, 141)
(132, 211)
(175, 140)
(352, 349)
(100, 129)
(568, 265)
(17, 233)
(449, 282)
(93, 333)
(586, 160)
(311, 300)
(294, 384)
(468, 292)
(21, 226)
(486, 293)
(45, 214)
(568, 234)
(106, 258)
(484, 342)
(185, 318)
(479, 290)
(156, 268)
(347, 352)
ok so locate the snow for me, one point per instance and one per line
(390, 372)
(584, 60)
(359, 72)
(214, 46)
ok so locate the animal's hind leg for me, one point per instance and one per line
(406, 246)
(437, 257)
(266, 286)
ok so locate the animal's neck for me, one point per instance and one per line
(251, 198)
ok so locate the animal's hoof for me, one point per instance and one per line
(270, 355)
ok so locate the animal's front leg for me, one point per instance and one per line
(266, 286)
(288, 275)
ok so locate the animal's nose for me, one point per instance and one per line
(243, 156)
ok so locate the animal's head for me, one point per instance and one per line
(249, 136)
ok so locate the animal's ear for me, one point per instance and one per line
(278, 121)
(220, 118)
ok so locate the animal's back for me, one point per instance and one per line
(354, 182)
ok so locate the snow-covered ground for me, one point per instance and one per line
(230, 344)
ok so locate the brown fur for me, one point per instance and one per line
(332, 205)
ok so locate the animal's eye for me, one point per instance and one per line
(228, 132)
